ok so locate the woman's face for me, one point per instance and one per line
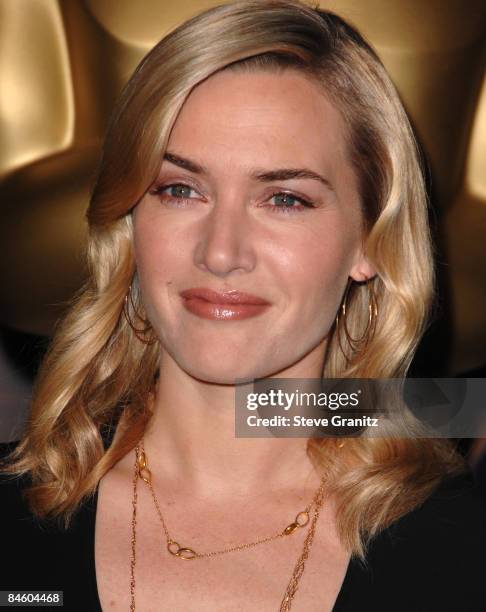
(239, 206)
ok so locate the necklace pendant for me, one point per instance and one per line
(173, 547)
(141, 460)
(146, 475)
(186, 553)
(142, 468)
(291, 528)
(302, 518)
(181, 552)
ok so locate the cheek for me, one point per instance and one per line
(157, 248)
(159, 261)
(315, 261)
(314, 267)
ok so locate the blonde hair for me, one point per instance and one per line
(97, 375)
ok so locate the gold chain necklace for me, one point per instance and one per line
(302, 518)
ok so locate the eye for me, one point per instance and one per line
(285, 203)
(176, 191)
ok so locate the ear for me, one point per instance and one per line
(362, 269)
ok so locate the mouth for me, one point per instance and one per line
(224, 306)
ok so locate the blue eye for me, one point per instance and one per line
(177, 191)
(286, 203)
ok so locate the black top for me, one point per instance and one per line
(431, 560)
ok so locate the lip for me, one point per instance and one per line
(226, 305)
(223, 297)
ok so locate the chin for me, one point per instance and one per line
(221, 376)
(223, 372)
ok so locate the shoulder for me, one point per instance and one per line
(454, 515)
(19, 525)
(435, 554)
(25, 540)
(11, 486)
(42, 554)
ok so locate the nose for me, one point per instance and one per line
(226, 242)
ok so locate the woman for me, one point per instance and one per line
(258, 178)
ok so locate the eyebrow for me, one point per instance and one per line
(281, 174)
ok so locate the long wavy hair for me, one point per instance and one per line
(97, 375)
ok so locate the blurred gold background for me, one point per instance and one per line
(62, 64)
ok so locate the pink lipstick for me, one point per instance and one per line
(225, 305)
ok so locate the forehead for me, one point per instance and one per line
(276, 117)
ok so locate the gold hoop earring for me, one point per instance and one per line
(358, 344)
(139, 333)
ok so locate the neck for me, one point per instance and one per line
(191, 441)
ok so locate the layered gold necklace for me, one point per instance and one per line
(302, 519)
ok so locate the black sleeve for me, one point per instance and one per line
(431, 560)
(30, 553)
(40, 554)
